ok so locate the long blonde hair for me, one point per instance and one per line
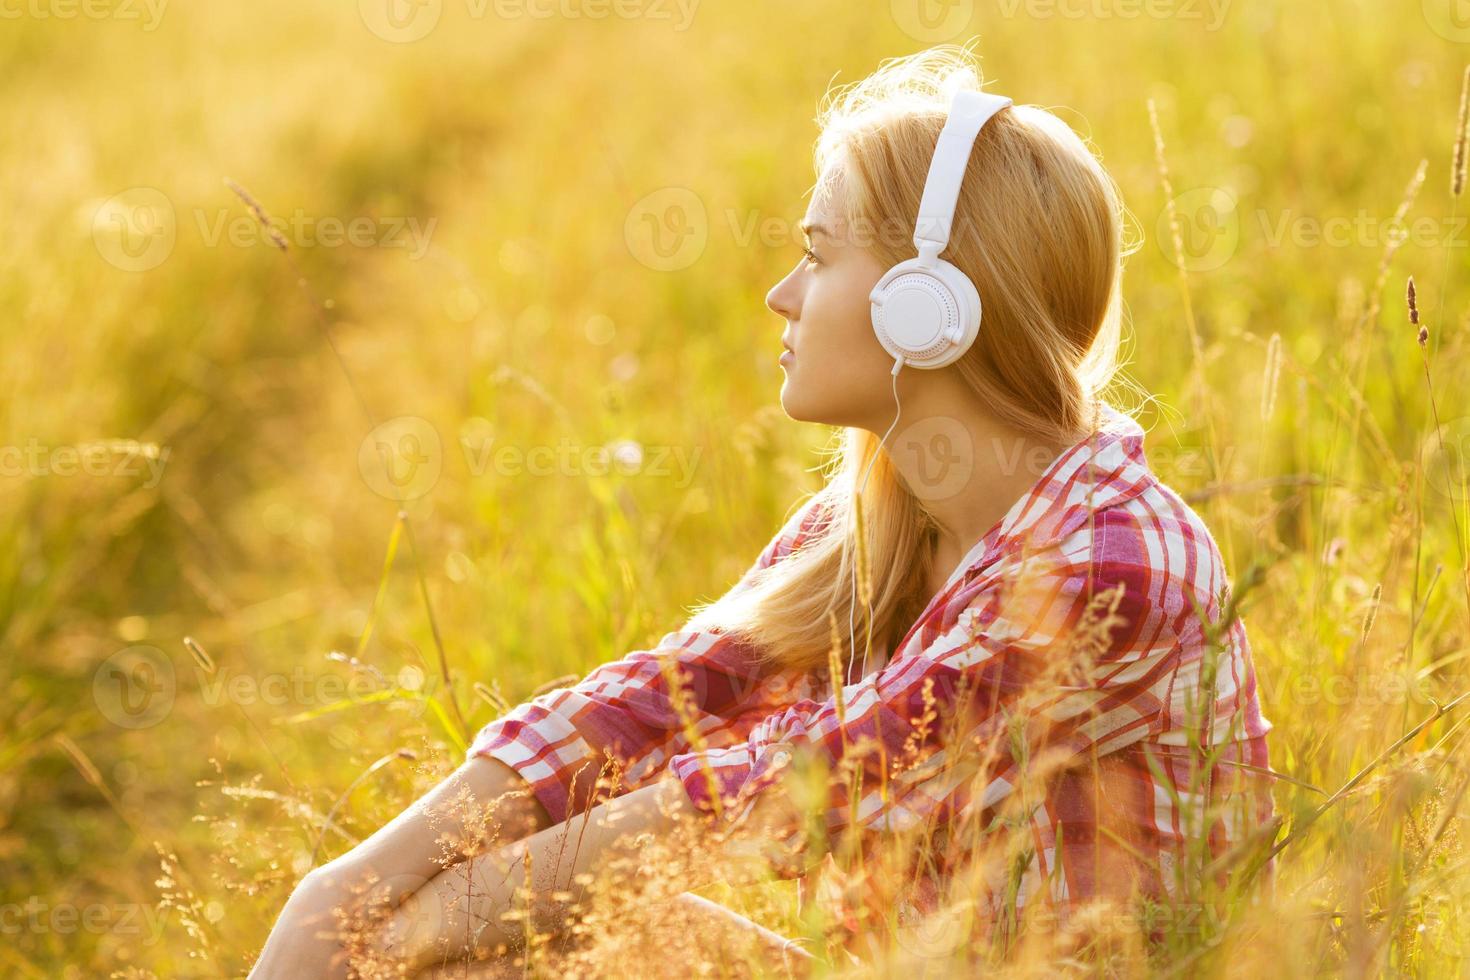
(1039, 229)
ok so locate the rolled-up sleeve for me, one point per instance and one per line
(624, 711)
(1064, 659)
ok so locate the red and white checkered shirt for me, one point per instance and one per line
(1097, 519)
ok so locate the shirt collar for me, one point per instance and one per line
(1098, 471)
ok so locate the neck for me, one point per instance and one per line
(966, 466)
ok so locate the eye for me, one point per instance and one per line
(811, 256)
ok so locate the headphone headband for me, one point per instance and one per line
(925, 310)
(969, 111)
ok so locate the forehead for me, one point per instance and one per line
(824, 213)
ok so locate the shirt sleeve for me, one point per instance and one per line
(559, 741)
(1007, 672)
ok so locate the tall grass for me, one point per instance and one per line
(332, 648)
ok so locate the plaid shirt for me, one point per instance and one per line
(1098, 543)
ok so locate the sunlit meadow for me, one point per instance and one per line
(519, 252)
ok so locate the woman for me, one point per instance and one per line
(1038, 628)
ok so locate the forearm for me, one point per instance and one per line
(461, 912)
(482, 803)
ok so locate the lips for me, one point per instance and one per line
(786, 345)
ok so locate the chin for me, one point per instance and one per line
(792, 405)
(802, 410)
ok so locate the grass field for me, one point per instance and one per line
(536, 244)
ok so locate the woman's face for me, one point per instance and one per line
(838, 374)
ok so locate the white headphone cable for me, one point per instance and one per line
(852, 591)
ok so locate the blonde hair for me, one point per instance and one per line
(1039, 228)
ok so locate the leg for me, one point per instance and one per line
(725, 937)
(734, 936)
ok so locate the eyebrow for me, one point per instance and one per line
(809, 227)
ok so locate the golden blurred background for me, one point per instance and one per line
(527, 245)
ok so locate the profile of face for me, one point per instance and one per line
(838, 373)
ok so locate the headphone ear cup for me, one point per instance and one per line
(880, 328)
(927, 314)
(968, 299)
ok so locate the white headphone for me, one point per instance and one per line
(925, 311)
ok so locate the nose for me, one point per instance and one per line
(783, 298)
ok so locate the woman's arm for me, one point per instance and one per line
(551, 748)
(461, 913)
(481, 803)
(626, 709)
